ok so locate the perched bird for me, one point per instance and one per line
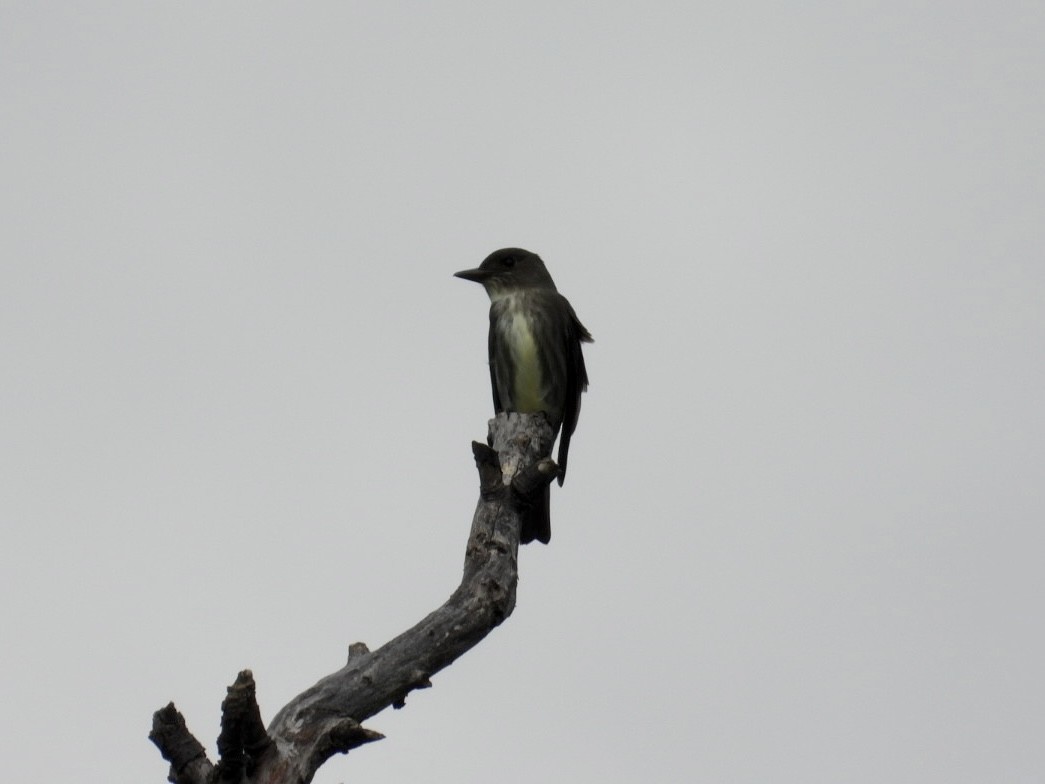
(536, 364)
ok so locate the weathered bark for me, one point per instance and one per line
(325, 719)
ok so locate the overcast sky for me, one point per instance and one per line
(801, 539)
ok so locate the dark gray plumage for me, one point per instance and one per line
(536, 363)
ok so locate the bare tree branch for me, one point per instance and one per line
(243, 742)
(325, 719)
(188, 759)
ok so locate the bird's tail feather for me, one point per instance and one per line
(537, 521)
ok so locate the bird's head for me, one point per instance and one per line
(508, 270)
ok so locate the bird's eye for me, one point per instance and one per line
(509, 262)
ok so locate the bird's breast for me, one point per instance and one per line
(517, 332)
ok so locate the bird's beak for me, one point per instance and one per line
(477, 275)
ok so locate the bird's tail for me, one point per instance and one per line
(537, 521)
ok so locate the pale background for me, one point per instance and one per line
(802, 536)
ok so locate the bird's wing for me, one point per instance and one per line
(576, 382)
(497, 403)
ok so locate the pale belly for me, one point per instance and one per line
(528, 390)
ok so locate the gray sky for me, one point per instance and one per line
(802, 537)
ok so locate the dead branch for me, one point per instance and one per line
(326, 718)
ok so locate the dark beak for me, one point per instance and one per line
(477, 275)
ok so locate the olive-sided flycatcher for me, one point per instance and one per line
(536, 363)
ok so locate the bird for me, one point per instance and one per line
(536, 362)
